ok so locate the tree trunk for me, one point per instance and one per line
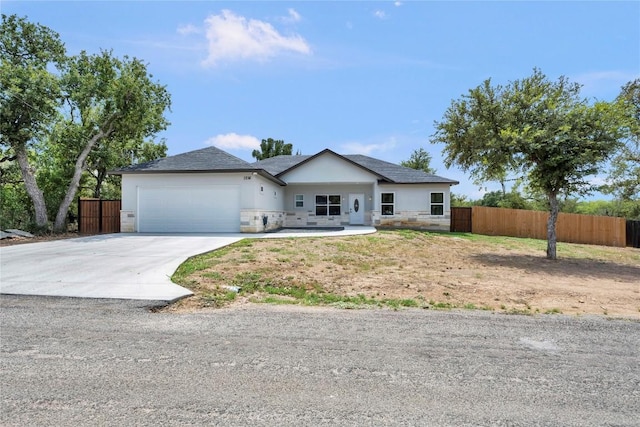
(34, 192)
(61, 216)
(100, 177)
(551, 225)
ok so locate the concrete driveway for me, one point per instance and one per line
(124, 266)
(129, 266)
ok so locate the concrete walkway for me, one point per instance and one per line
(124, 266)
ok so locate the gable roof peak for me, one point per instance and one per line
(203, 159)
(385, 171)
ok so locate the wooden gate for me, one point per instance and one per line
(461, 220)
(633, 233)
(98, 216)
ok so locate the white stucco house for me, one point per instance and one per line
(209, 190)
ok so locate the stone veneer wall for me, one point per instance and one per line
(251, 220)
(309, 219)
(127, 222)
(413, 219)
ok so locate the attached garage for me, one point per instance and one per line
(201, 191)
(189, 209)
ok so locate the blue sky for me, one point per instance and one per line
(355, 77)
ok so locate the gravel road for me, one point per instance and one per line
(104, 362)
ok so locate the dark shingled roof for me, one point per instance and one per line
(279, 164)
(213, 159)
(385, 171)
(209, 159)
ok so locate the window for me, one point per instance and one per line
(388, 203)
(437, 203)
(328, 204)
(299, 200)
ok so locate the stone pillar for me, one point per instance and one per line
(127, 222)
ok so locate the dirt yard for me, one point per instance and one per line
(434, 270)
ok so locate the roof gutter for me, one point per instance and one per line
(260, 172)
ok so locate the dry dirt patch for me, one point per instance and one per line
(434, 270)
(40, 238)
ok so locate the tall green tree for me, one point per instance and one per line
(66, 117)
(624, 175)
(116, 154)
(29, 96)
(108, 100)
(420, 159)
(536, 128)
(14, 199)
(272, 147)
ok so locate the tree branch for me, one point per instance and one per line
(8, 159)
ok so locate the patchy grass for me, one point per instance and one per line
(564, 250)
(407, 268)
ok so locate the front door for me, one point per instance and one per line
(356, 209)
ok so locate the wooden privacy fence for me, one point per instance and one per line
(571, 228)
(633, 233)
(98, 216)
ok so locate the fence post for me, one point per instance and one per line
(100, 219)
(79, 216)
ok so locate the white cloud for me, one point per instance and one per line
(233, 141)
(380, 14)
(368, 149)
(293, 16)
(233, 37)
(397, 3)
(603, 83)
(188, 29)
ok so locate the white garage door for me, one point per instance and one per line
(205, 209)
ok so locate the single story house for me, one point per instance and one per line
(209, 190)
